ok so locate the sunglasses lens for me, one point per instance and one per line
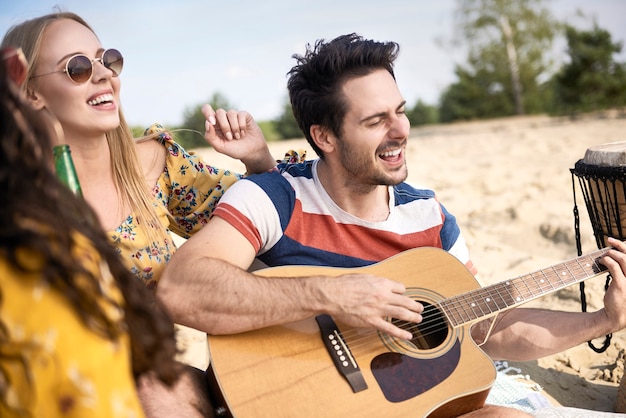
(79, 68)
(113, 60)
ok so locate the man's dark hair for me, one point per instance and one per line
(315, 81)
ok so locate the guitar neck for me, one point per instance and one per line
(487, 301)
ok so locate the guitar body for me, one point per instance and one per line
(286, 371)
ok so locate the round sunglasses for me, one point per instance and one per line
(79, 67)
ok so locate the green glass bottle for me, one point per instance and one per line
(64, 166)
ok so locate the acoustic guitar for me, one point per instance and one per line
(317, 368)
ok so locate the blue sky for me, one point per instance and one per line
(179, 53)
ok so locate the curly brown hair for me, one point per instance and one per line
(39, 214)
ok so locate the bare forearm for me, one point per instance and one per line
(216, 297)
(528, 334)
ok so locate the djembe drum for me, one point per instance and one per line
(602, 179)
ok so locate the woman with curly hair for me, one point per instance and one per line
(76, 326)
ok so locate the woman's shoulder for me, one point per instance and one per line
(157, 139)
(152, 157)
(153, 150)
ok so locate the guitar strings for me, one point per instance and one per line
(435, 322)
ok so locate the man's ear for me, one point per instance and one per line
(36, 101)
(324, 139)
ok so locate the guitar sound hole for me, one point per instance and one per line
(429, 333)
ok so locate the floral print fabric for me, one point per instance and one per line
(51, 364)
(184, 198)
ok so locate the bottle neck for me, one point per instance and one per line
(65, 169)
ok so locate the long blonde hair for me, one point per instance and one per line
(127, 175)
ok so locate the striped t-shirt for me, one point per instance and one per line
(290, 220)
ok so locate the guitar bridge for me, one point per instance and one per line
(340, 353)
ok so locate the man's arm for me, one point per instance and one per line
(206, 286)
(526, 334)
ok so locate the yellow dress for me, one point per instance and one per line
(70, 370)
(184, 198)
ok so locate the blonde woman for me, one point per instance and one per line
(140, 190)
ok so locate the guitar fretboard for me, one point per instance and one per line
(486, 301)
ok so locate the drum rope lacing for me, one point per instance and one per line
(608, 176)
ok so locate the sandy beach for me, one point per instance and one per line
(508, 182)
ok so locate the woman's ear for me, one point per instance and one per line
(33, 97)
(324, 139)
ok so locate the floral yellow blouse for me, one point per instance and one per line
(184, 197)
(53, 365)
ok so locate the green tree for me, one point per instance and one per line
(474, 96)
(191, 133)
(268, 127)
(592, 80)
(137, 131)
(285, 125)
(508, 43)
(422, 114)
